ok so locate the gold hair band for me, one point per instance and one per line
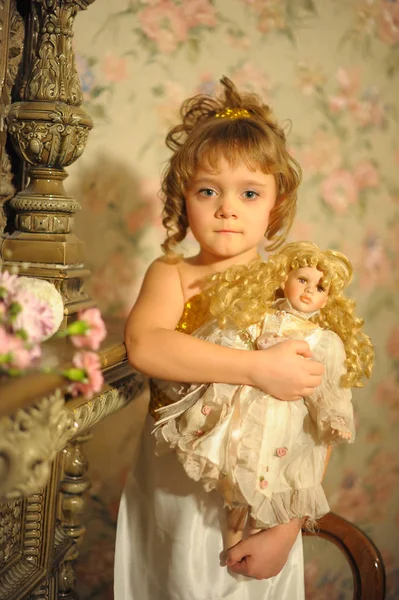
(233, 113)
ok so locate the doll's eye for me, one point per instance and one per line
(320, 288)
(301, 280)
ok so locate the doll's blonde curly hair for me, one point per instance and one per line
(203, 137)
(243, 294)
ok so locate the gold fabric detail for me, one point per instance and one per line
(193, 316)
(233, 113)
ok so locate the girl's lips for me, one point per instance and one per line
(305, 299)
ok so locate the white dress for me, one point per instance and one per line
(168, 540)
(254, 449)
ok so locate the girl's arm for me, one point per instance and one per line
(264, 554)
(156, 349)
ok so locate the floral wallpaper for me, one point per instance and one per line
(330, 70)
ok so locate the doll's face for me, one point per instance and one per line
(304, 290)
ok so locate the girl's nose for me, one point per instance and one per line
(309, 287)
(226, 210)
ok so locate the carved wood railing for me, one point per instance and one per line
(43, 470)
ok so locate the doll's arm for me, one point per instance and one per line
(330, 404)
(156, 349)
(264, 554)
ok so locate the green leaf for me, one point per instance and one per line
(75, 374)
(14, 309)
(78, 328)
(21, 333)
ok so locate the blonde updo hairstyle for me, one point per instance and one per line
(243, 294)
(202, 138)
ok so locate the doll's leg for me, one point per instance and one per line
(252, 526)
(236, 519)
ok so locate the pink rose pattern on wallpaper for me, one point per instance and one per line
(344, 110)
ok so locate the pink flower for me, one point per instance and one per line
(366, 175)
(138, 218)
(168, 108)
(89, 363)
(323, 154)
(13, 352)
(369, 109)
(35, 317)
(280, 452)
(388, 26)
(254, 79)
(337, 103)
(263, 484)
(206, 410)
(164, 23)
(91, 328)
(309, 78)
(348, 81)
(339, 190)
(199, 12)
(374, 264)
(115, 68)
(7, 284)
(271, 16)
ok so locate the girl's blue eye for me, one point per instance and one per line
(207, 192)
(301, 280)
(250, 194)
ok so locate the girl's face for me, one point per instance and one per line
(304, 290)
(228, 211)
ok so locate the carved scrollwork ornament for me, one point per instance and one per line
(53, 75)
(29, 442)
(47, 134)
(105, 404)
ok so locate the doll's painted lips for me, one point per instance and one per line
(226, 231)
(306, 299)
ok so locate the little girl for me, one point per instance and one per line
(231, 180)
(263, 455)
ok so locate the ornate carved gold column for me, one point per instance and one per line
(11, 46)
(72, 488)
(49, 131)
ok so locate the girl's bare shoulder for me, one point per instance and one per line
(185, 273)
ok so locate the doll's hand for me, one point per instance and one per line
(281, 371)
(267, 340)
(345, 435)
(264, 554)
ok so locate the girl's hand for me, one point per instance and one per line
(281, 371)
(264, 554)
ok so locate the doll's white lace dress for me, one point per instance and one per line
(252, 448)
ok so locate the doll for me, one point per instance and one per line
(264, 456)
